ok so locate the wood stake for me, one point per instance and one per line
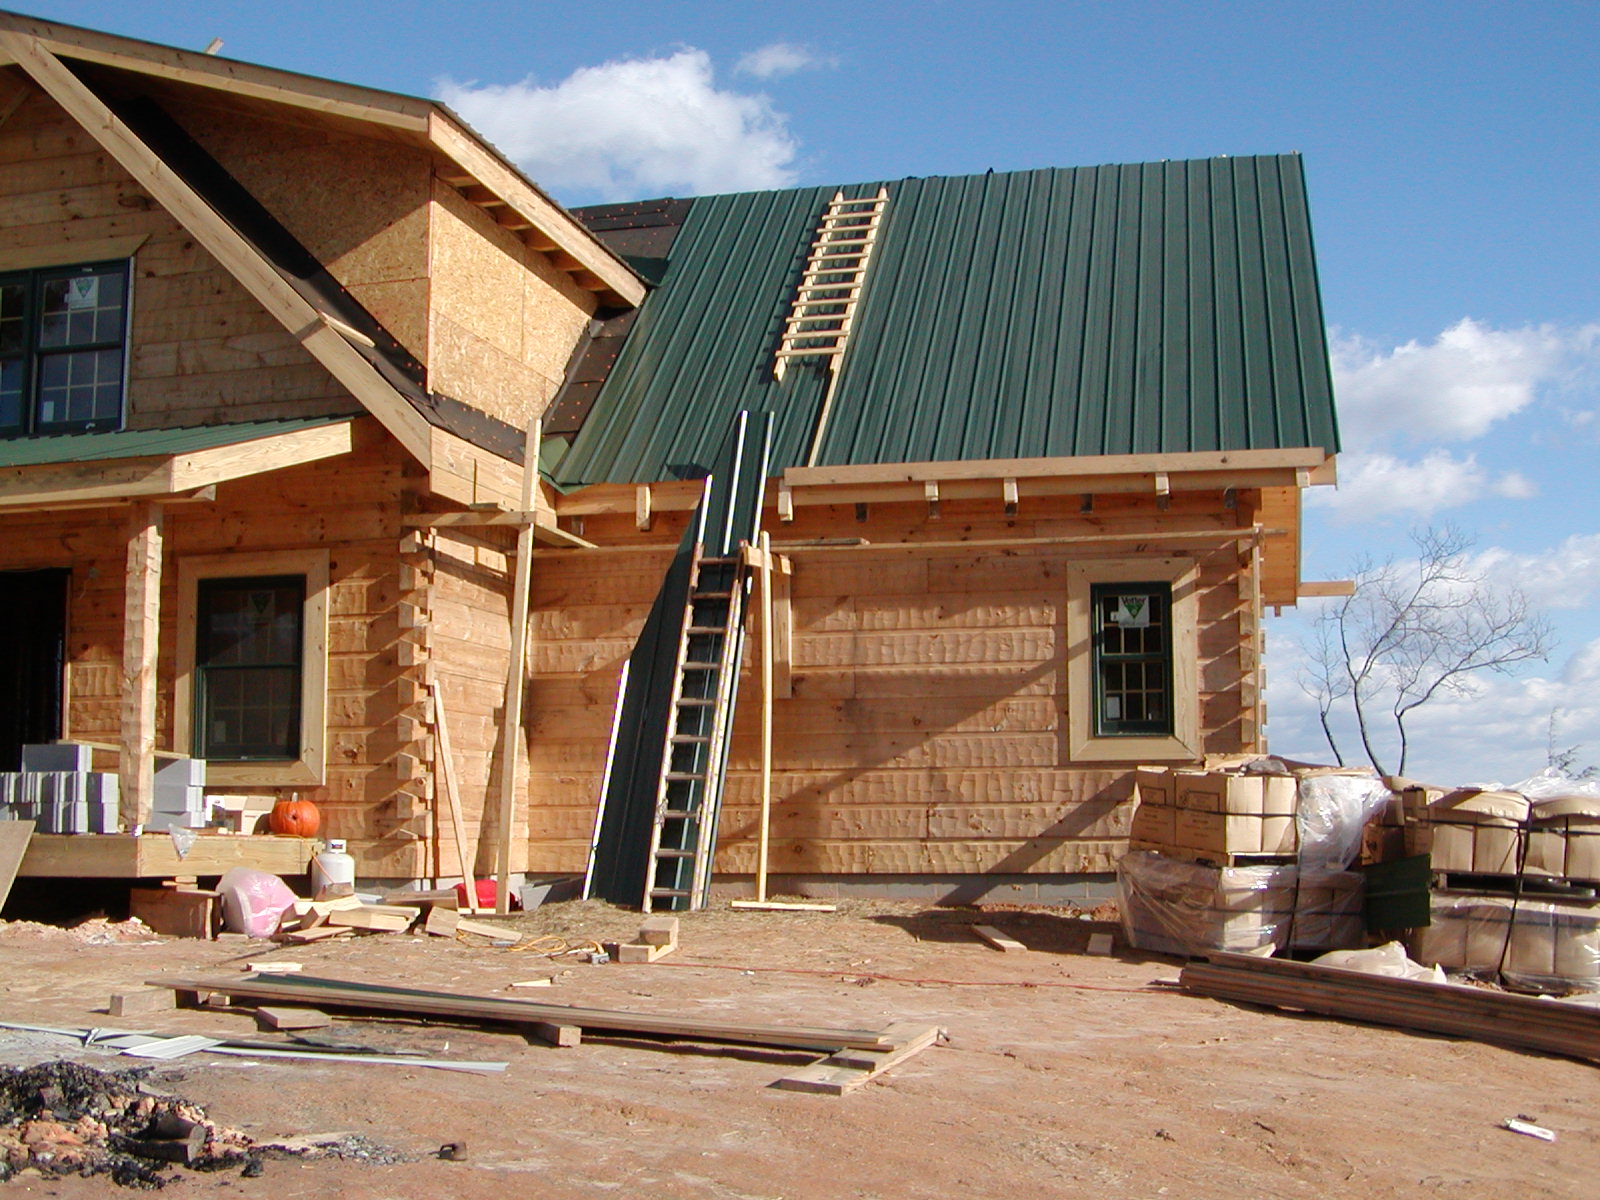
(516, 684)
(444, 760)
(140, 633)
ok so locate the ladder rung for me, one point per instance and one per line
(702, 666)
(691, 739)
(694, 702)
(668, 892)
(674, 853)
(682, 776)
(680, 814)
(706, 630)
(719, 558)
(713, 595)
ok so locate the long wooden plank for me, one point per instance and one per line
(333, 993)
(119, 856)
(1454, 1009)
(445, 758)
(516, 676)
(14, 837)
(849, 1069)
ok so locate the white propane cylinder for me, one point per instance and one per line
(332, 865)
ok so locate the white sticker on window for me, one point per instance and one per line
(1113, 708)
(83, 292)
(1132, 612)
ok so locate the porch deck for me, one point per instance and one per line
(153, 855)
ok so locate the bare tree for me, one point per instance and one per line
(1564, 759)
(1412, 631)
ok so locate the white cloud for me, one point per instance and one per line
(633, 127)
(781, 58)
(1375, 485)
(1455, 387)
(1566, 577)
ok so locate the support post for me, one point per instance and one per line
(766, 715)
(516, 672)
(140, 634)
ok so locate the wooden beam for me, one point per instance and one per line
(1312, 459)
(220, 240)
(549, 220)
(783, 629)
(444, 759)
(141, 629)
(226, 75)
(641, 507)
(1327, 587)
(516, 671)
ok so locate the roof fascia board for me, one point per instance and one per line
(223, 74)
(682, 495)
(237, 256)
(1312, 460)
(563, 232)
(111, 480)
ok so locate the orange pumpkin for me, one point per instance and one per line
(294, 817)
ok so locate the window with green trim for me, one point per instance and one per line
(1132, 639)
(62, 348)
(249, 656)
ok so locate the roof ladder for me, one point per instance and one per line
(830, 289)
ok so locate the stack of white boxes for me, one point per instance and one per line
(58, 791)
(180, 796)
(1536, 942)
(1214, 816)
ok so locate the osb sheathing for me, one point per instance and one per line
(359, 205)
(504, 320)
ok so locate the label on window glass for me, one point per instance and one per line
(83, 292)
(1131, 612)
(1113, 708)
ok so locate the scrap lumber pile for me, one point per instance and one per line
(1458, 1010)
(852, 1056)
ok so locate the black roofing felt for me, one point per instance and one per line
(1158, 307)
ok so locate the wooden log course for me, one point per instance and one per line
(1457, 1010)
(342, 994)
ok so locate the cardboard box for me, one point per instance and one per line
(1478, 832)
(1154, 823)
(1218, 833)
(1154, 785)
(1237, 795)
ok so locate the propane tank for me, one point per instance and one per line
(332, 866)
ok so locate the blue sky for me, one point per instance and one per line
(1452, 152)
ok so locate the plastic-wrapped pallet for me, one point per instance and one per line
(1535, 943)
(1176, 907)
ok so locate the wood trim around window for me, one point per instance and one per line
(310, 768)
(1082, 743)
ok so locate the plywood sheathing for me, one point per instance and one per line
(358, 204)
(927, 728)
(503, 321)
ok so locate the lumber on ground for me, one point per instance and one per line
(14, 838)
(850, 1068)
(335, 993)
(997, 939)
(1524, 1022)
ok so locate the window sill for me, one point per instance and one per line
(299, 772)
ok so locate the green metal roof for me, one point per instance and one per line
(1160, 307)
(52, 448)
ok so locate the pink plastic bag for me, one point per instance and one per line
(253, 901)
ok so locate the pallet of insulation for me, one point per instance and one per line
(1539, 943)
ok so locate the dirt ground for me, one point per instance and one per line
(1064, 1074)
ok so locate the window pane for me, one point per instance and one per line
(13, 306)
(81, 310)
(1132, 658)
(11, 393)
(248, 667)
(79, 387)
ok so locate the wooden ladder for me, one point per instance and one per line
(830, 287)
(688, 794)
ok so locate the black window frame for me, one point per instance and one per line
(205, 671)
(1104, 661)
(34, 354)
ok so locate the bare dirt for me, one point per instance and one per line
(1064, 1074)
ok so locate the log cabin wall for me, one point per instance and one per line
(203, 349)
(348, 506)
(925, 732)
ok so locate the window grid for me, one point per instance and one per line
(62, 333)
(248, 666)
(1132, 640)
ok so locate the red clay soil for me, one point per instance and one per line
(1064, 1075)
